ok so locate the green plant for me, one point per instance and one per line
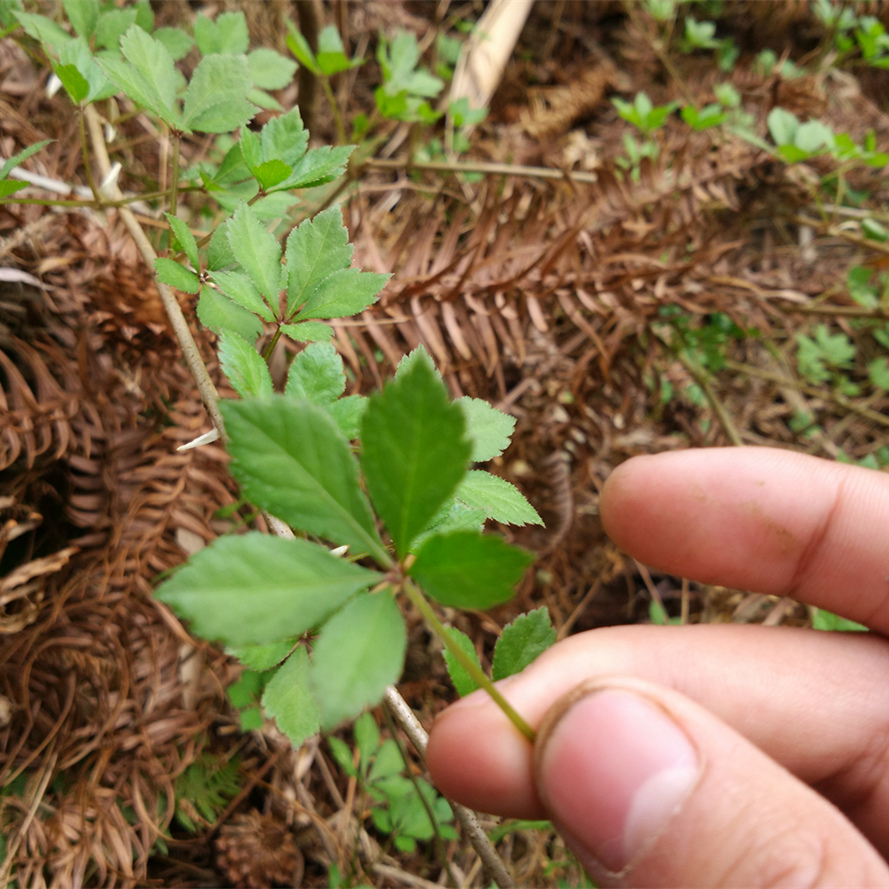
(642, 114)
(380, 491)
(403, 806)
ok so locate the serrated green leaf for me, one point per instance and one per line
(73, 82)
(184, 240)
(256, 250)
(291, 459)
(348, 413)
(171, 272)
(23, 155)
(256, 588)
(244, 367)
(271, 173)
(488, 428)
(468, 570)
(315, 248)
(42, 29)
(301, 50)
(269, 69)
(226, 34)
(284, 138)
(417, 356)
(456, 516)
(343, 293)
(308, 332)
(112, 25)
(414, 452)
(177, 42)
(501, 500)
(263, 657)
(8, 187)
(318, 166)
(316, 374)
(219, 254)
(243, 291)
(288, 699)
(359, 652)
(216, 100)
(463, 682)
(148, 76)
(83, 15)
(220, 314)
(522, 641)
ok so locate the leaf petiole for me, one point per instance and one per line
(417, 597)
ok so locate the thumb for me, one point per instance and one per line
(650, 789)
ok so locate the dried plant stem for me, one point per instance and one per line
(189, 347)
(410, 725)
(839, 400)
(487, 169)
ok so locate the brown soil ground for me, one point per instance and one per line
(550, 297)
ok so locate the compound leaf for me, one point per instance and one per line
(463, 682)
(528, 636)
(255, 588)
(501, 500)
(488, 428)
(291, 459)
(359, 652)
(414, 451)
(288, 698)
(244, 367)
(468, 570)
(149, 76)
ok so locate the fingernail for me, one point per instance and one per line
(613, 768)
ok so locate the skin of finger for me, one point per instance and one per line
(759, 519)
(747, 822)
(811, 701)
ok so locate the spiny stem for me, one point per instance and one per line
(471, 668)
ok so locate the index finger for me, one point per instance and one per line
(759, 519)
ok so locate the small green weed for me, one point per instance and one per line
(404, 807)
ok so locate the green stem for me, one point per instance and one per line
(174, 174)
(437, 627)
(337, 117)
(267, 352)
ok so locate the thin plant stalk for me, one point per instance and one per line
(472, 669)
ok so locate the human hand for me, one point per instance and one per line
(710, 755)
